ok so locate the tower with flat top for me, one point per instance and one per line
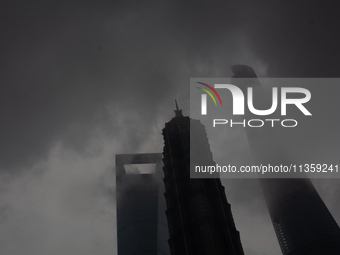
(141, 221)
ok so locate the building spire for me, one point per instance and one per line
(178, 112)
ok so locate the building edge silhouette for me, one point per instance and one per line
(199, 216)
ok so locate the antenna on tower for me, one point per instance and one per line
(178, 112)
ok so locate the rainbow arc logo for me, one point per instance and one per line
(209, 93)
(204, 97)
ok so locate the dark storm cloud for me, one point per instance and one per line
(77, 74)
(62, 67)
(63, 63)
(72, 70)
(296, 38)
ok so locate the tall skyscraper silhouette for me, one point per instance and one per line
(141, 221)
(199, 217)
(302, 222)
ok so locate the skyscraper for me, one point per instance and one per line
(141, 221)
(199, 217)
(302, 222)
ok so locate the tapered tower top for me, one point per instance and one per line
(243, 71)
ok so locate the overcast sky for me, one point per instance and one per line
(83, 80)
